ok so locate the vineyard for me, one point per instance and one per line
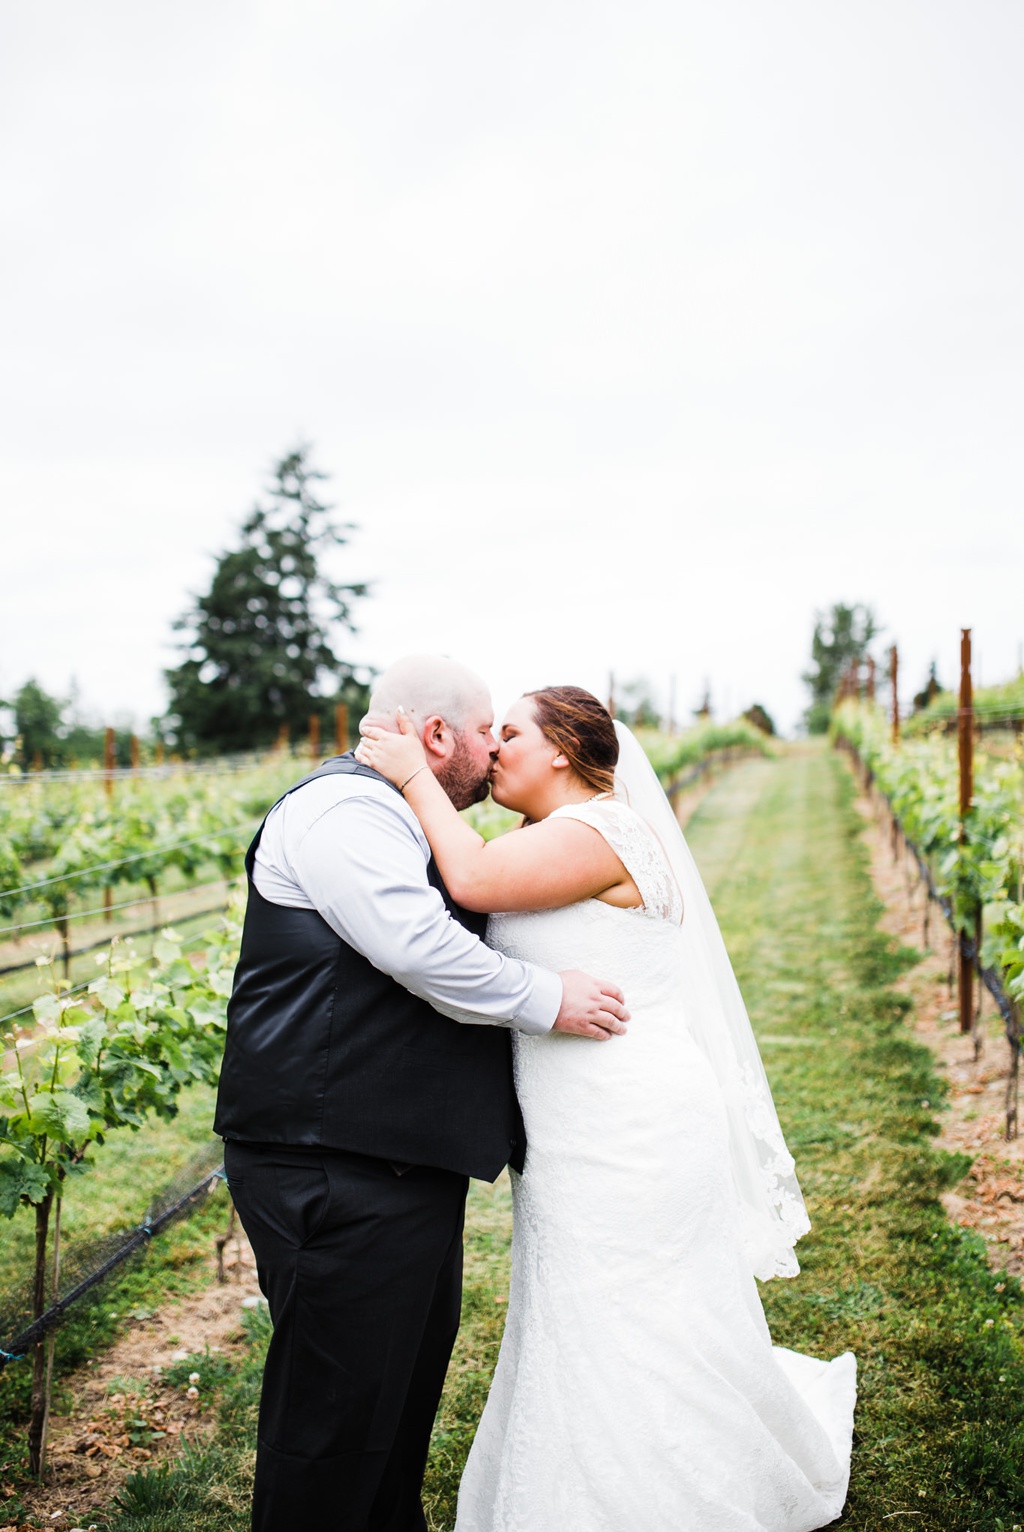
(87, 1056)
(79, 849)
(121, 909)
(958, 813)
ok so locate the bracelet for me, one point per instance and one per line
(416, 773)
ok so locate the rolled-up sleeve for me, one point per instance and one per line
(362, 865)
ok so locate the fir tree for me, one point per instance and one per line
(260, 654)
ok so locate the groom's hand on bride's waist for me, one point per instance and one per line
(590, 1007)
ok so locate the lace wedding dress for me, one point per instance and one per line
(637, 1388)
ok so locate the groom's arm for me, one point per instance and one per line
(361, 861)
(351, 848)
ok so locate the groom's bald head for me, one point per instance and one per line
(450, 707)
(427, 686)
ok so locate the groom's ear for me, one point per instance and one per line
(437, 737)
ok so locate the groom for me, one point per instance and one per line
(367, 1075)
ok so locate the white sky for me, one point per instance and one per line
(630, 334)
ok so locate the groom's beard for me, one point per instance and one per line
(462, 778)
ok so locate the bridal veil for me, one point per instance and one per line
(772, 1212)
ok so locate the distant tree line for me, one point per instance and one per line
(842, 637)
(45, 731)
(259, 648)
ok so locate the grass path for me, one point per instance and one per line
(940, 1425)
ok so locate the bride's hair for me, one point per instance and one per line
(582, 729)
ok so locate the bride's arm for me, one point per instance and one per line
(542, 866)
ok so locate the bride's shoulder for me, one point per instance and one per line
(636, 846)
(615, 819)
(599, 810)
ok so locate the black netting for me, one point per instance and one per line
(86, 1264)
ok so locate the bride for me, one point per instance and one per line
(637, 1388)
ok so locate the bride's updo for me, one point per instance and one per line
(582, 729)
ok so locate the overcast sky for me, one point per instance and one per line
(630, 334)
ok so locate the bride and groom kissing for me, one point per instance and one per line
(380, 1052)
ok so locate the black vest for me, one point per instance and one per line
(325, 1050)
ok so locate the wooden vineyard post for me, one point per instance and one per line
(871, 679)
(282, 739)
(314, 736)
(109, 763)
(894, 676)
(340, 728)
(1016, 1032)
(133, 751)
(965, 743)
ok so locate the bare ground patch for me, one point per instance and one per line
(990, 1199)
(124, 1414)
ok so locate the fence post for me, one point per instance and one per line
(340, 728)
(871, 679)
(314, 736)
(133, 751)
(109, 763)
(965, 743)
(894, 676)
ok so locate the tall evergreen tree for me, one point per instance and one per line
(259, 653)
(841, 637)
(37, 724)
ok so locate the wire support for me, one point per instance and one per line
(124, 861)
(104, 941)
(127, 904)
(26, 1009)
(221, 767)
(20, 1345)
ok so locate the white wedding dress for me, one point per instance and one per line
(637, 1388)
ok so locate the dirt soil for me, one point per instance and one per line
(123, 1415)
(990, 1199)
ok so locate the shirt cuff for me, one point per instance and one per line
(543, 1003)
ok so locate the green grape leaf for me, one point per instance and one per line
(20, 1179)
(109, 994)
(46, 1008)
(60, 1115)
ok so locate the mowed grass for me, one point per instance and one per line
(940, 1422)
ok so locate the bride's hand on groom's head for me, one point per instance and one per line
(395, 755)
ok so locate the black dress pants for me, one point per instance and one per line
(362, 1269)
